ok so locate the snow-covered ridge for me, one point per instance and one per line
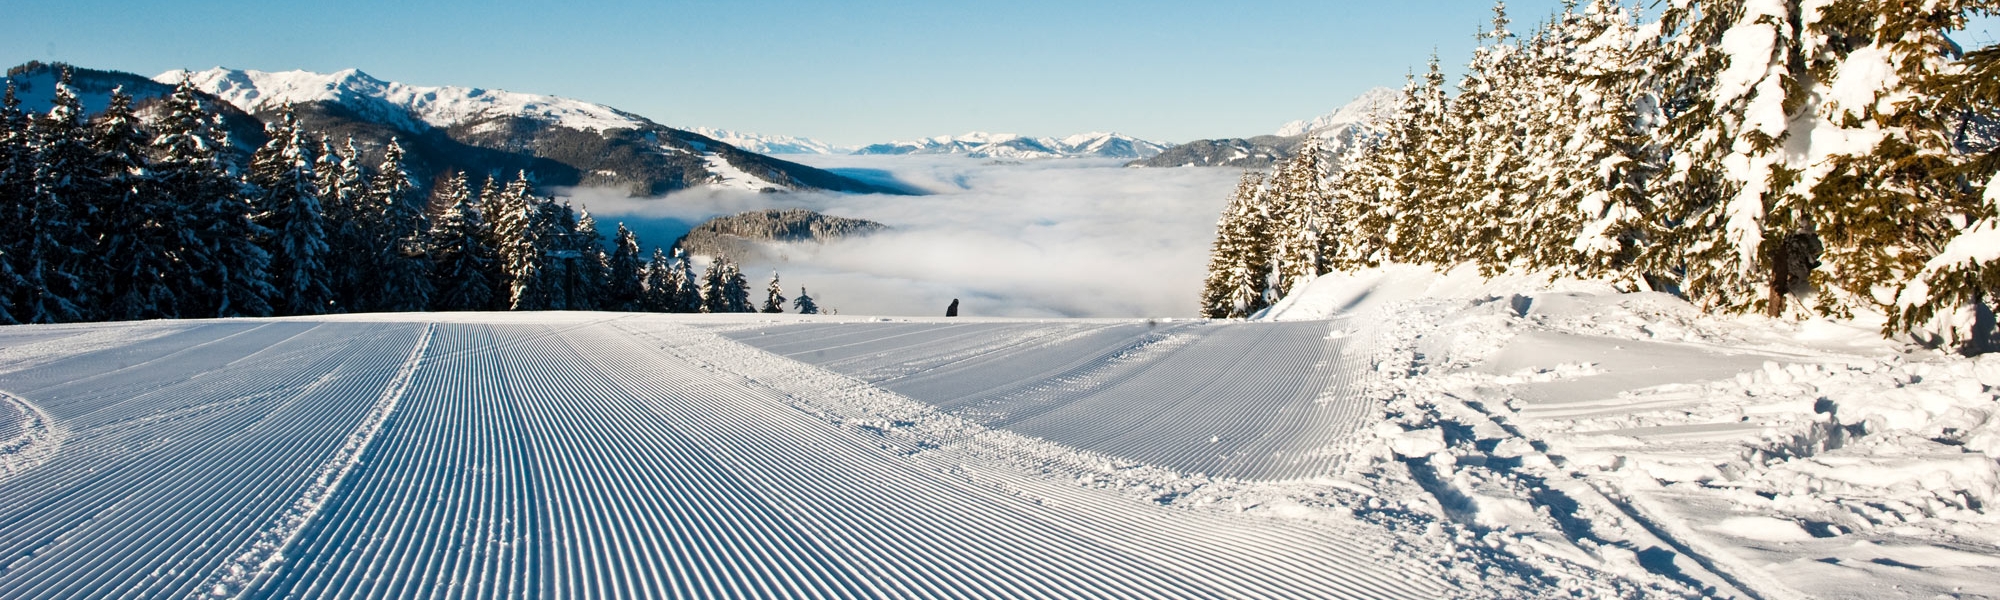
(411, 107)
(1377, 105)
(980, 144)
(770, 144)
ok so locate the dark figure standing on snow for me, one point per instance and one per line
(952, 311)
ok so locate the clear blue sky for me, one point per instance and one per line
(844, 72)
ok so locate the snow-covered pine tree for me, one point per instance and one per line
(15, 193)
(352, 237)
(1299, 201)
(64, 183)
(289, 206)
(736, 289)
(1592, 218)
(225, 272)
(804, 304)
(137, 233)
(1240, 264)
(1747, 237)
(687, 295)
(400, 234)
(774, 296)
(626, 274)
(657, 294)
(587, 270)
(511, 215)
(1487, 124)
(1420, 231)
(714, 298)
(463, 268)
(1915, 188)
(531, 274)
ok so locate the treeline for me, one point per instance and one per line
(118, 217)
(1772, 156)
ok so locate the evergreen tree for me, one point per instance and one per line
(352, 226)
(400, 234)
(587, 265)
(463, 262)
(289, 206)
(15, 196)
(687, 292)
(1240, 264)
(224, 273)
(774, 296)
(804, 304)
(736, 290)
(137, 233)
(660, 285)
(64, 183)
(714, 281)
(626, 275)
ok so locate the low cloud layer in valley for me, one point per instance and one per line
(1070, 238)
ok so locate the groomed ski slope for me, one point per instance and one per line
(589, 455)
(1243, 400)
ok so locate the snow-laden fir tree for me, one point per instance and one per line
(1240, 261)
(350, 224)
(714, 283)
(1301, 244)
(587, 263)
(15, 190)
(687, 293)
(804, 304)
(657, 294)
(137, 235)
(625, 273)
(774, 296)
(463, 265)
(64, 182)
(399, 235)
(288, 205)
(226, 272)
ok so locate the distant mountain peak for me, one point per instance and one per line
(980, 144)
(412, 107)
(1377, 105)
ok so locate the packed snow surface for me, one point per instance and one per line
(1396, 432)
(588, 455)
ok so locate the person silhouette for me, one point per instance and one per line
(952, 311)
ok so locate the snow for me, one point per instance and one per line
(413, 108)
(770, 144)
(980, 144)
(1766, 458)
(1373, 107)
(1395, 432)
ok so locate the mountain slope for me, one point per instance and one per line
(559, 141)
(1340, 129)
(770, 144)
(35, 86)
(980, 144)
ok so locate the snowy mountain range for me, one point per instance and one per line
(771, 144)
(1340, 129)
(560, 141)
(1373, 107)
(1010, 146)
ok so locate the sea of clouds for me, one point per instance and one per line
(1049, 238)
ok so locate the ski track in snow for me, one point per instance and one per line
(642, 457)
(1188, 396)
